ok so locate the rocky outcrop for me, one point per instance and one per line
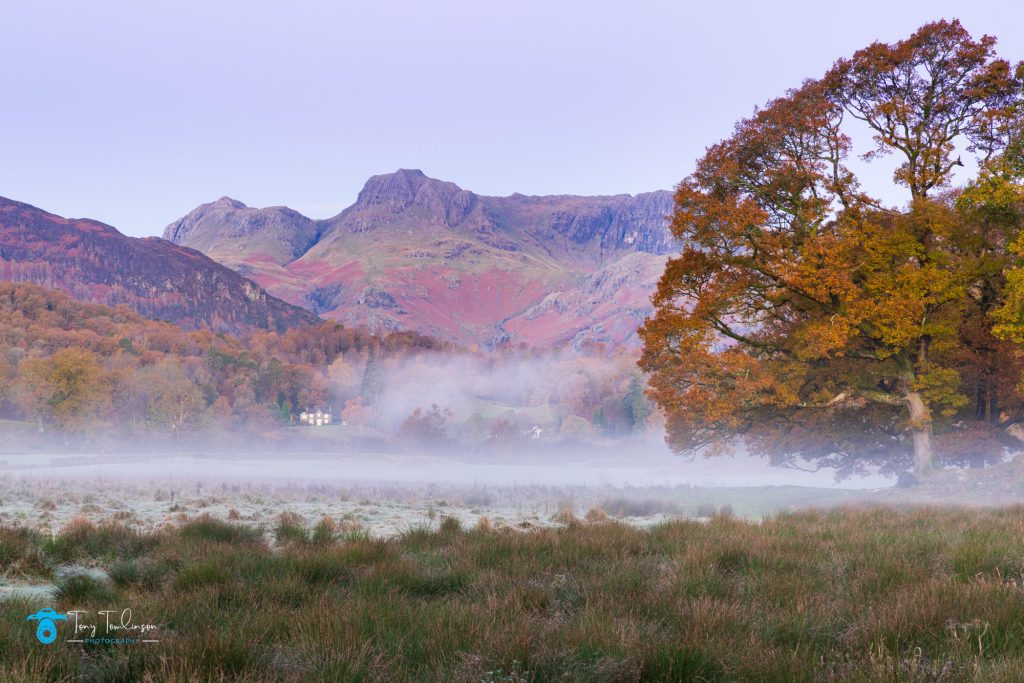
(228, 230)
(95, 263)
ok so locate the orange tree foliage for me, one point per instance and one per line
(809, 318)
(70, 387)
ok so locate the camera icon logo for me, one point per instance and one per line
(46, 631)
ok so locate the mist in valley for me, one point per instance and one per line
(122, 416)
(517, 439)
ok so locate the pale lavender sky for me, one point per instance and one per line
(135, 112)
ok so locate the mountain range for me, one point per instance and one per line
(423, 254)
(95, 263)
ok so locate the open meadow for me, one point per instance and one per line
(851, 594)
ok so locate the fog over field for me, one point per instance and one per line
(636, 478)
(470, 435)
(628, 466)
(385, 494)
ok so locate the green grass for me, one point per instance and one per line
(80, 589)
(82, 540)
(208, 529)
(21, 555)
(847, 595)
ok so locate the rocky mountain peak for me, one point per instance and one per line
(394, 191)
(225, 226)
(397, 192)
(227, 202)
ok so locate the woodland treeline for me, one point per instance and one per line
(77, 368)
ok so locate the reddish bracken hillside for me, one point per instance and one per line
(95, 263)
(423, 254)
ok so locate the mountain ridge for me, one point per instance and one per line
(414, 252)
(95, 263)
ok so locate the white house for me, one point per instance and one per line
(316, 418)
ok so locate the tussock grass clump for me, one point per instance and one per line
(21, 554)
(211, 571)
(207, 528)
(125, 573)
(15, 542)
(418, 535)
(290, 518)
(449, 526)
(82, 540)
(321, 565)
(846, 595)
(433, 583)
(82, 589)
(325, 531)
(291, 533)
(565, 515)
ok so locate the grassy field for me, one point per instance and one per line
(849, 595)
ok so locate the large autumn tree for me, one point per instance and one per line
(803, 313)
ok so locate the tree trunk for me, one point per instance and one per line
(993, 404)
(921, 432)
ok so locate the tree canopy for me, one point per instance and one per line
(815, 322)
